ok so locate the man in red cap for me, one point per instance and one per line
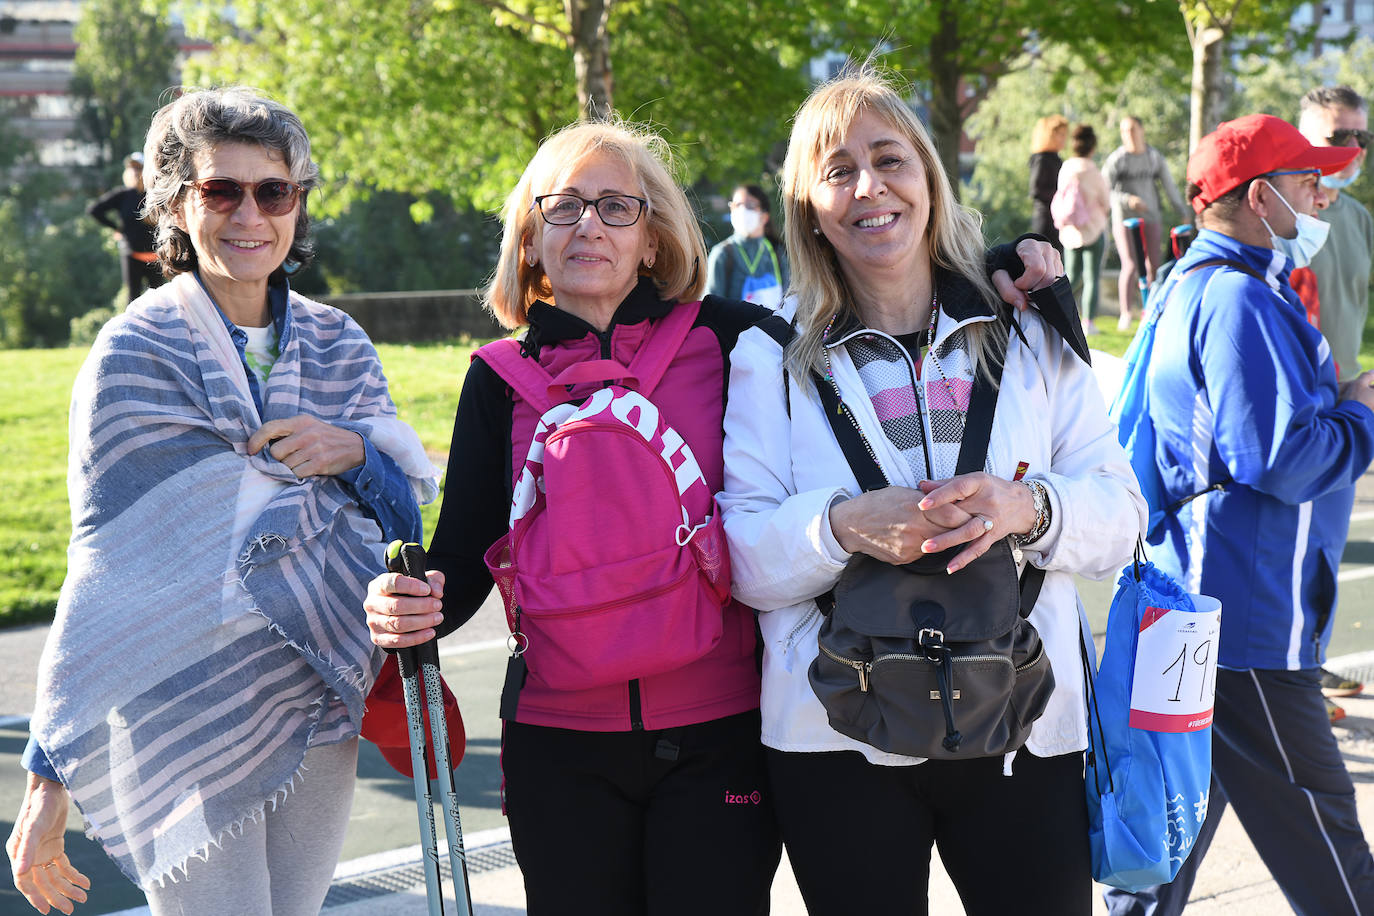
(1257, 453)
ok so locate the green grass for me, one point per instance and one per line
(34, 523)
(34, 520)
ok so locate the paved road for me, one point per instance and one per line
(1232, 881)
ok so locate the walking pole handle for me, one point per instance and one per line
(409, 559)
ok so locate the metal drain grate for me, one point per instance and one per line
(402, 878)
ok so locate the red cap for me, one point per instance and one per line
(1256, 145)
(385, 723)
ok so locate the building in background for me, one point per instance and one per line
(37, 56)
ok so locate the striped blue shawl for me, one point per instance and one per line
(210, 627)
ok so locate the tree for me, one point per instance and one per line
(55, 264)
(1002, 125)
(957, 50)
(1210, 25)
(454, 96)
(125, 58)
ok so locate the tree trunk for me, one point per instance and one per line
(591, 49)
(1209, 89)
(946, 114)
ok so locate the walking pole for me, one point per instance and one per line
(420, 664)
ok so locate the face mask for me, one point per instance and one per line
(1311, 235)
(1336, 184)
(745, 221)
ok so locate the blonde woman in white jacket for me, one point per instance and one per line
(887, 262)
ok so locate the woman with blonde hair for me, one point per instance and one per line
(623, 794)
(1047, 139)
(896, 322)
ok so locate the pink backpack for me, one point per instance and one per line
(1069, 207)
(615, 564)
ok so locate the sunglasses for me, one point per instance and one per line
(1350, 136)
(274, 197)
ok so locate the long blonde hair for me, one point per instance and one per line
(676, 272)
(955, 232)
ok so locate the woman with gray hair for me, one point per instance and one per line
(236, 468)
(897, 330)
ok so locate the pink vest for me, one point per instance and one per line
(723, 682)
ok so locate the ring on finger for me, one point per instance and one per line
(987, 522)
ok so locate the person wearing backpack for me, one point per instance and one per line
(1081, 208)
(1255, 453)
(894, 325)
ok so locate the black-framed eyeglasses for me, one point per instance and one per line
(274, 196)
(567, 209)
(1350, 136)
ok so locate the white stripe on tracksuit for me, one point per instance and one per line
(1311, 802)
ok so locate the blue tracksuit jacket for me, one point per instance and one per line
(1243, 393)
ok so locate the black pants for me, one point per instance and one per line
(1275, 759)
(859, 835)
(642, 823)
(137, 274)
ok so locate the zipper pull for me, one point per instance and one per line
(865, 669)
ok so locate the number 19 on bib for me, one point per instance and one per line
(1176, 668)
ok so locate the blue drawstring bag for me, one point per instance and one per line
(1149, 756)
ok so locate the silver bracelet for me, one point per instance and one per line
(1041, 499)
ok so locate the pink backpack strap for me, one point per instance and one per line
(528, 379)
(665, 339)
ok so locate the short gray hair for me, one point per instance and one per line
(202, 119)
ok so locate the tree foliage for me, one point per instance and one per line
(454, 96)
(55, 264)
(125, 58)
(1210, 26)
(999, 187)
(956, 51)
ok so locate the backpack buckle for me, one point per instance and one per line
(932, 643)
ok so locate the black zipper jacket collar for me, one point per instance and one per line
(550, 324)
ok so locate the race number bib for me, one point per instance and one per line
(762, 290)
(1176, 668)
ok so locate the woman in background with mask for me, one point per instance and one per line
(751, 264)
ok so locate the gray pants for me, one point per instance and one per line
(283, 863)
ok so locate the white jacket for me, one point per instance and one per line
(782, 473)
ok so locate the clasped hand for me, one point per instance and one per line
(309, 446)
(898, 524)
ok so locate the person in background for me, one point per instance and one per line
(1085, 241)
(893, 308)
(1339, 291)
(1047, 139)
(121, 209)
(1133, 171)
(236, 470)
(1258, 450)
(751, 264)
(613, 791)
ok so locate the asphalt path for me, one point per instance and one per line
(473, 661)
